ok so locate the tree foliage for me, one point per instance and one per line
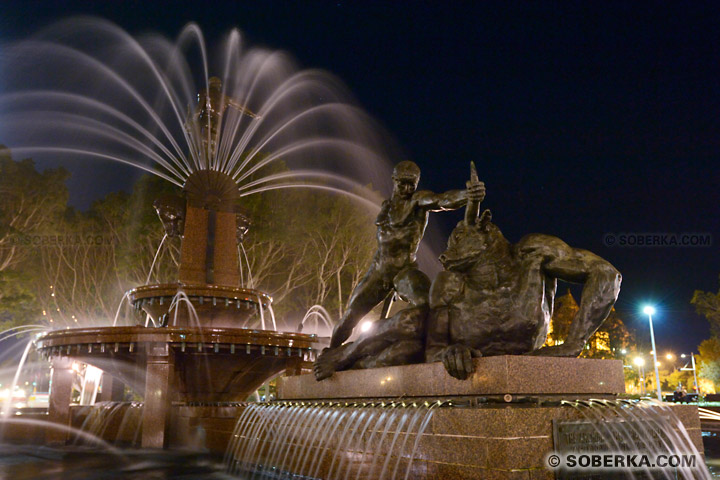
(32, 203)
(708, 360)
(708, 305)
(710, 371)
(305, 247)
(31, 209)
(106, 251)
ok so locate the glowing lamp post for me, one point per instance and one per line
(650, 311)
(640, 363)
(692, 357)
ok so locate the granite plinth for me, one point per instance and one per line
(502, 375)
(494, 441)
(474, 439)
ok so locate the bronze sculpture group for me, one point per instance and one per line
(493, 297)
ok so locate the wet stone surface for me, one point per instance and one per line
(75, 463)
(31, 462)
(711, 443)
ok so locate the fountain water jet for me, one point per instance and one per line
(227, 149)
(305, 440)
(216, 153)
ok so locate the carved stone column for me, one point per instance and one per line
(159, 384)
(60, 398)
(208, 253)
(193, 248)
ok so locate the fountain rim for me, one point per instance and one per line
(209, 290)
(140, 334)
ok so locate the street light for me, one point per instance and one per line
(649, 310)
(640, 363)
(692, 358)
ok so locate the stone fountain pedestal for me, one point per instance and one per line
(200, 351)
(178, 371)
(500, 425)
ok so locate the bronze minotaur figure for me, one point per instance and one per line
(495, 298)
(400, 227)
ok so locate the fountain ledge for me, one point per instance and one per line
(497, 424)
(500, 375)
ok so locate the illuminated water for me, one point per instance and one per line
(328, 440)
(85, 90)
(75, 463)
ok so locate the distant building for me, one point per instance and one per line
(608, 342)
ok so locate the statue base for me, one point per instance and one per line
(513, 375)
(500, 423)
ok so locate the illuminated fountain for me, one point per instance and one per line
(189, 356)
(193, 347)
(198, 354)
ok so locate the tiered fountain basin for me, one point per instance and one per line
(216, 305)
(211, 364)
(189, 378)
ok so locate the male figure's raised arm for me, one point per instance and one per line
(436, 202)
(452, 199)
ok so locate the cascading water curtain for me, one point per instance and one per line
(121, 419)
(643, 426)
(327, 440)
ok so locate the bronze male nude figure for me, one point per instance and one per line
(400, 224)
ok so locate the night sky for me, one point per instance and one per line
(583, 122)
